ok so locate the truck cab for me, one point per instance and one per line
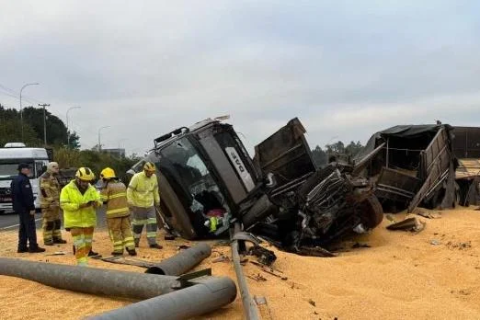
(10, 157)
(204, 171)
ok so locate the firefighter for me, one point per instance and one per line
(50, 204)
(23, 205)
(114, 195)
(142, 195)
(78, 200)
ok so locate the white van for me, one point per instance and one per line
(10, 158)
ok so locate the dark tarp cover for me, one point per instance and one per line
(400, 131)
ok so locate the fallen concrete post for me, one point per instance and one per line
(207, 295)
(96, 281)
(181, 262)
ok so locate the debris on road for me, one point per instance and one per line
(409, 224)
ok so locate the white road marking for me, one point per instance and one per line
(16, 225)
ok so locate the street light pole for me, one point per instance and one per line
(21, 108)
(99, 142)
(68, 133)
(44, 122)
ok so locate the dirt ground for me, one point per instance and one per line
(434, 274)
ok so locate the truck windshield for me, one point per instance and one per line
(9, 170)
(185, 165)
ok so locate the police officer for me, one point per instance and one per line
(23, 205)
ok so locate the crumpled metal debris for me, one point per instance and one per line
(265, 256)
(409, 224)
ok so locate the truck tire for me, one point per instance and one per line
(370, 212)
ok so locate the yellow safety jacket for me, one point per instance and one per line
(70, 200)
(49, 190)
(143, 191)
(114, 194)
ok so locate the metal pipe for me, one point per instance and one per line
(181, 262)
(249, 307)
(96, 281)
(207, 295)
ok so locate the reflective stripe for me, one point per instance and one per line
(118, 195)
(151, 234)
(121, 210)
(139, 222)
(83, 262)
(151, 220)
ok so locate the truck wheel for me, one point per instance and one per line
(370, 211)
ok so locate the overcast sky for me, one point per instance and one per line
(346, 69)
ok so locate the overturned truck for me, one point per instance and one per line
(208, 182)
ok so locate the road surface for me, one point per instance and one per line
(10, 221)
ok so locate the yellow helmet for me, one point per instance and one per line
(148, 166)
(107, 173)
(85, 174)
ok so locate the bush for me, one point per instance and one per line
(95, 160)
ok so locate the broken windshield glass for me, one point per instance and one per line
(189, 170)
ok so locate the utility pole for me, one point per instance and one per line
(44, 122)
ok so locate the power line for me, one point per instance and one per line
(9, 94)
(13, 94)
(7, 89)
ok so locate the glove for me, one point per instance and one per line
(85, 205)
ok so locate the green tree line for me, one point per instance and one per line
(337, 149)
(11, 128)
(66, 156)
(97, 161)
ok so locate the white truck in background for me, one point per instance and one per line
(10, 157)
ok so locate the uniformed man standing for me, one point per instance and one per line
(143, 195)
(23, 205)
(50, 203)
(114, 196)
(78, 200)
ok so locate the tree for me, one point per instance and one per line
(335, 148)
(33, 130)
(319, 157)
(339, 151)
(96, 161)
(11, 129)
(74, 142)
(353, 148)
(56, 129)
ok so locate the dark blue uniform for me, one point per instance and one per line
(23, 203)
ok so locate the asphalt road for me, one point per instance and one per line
(10, 221)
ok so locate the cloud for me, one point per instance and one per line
(345, 68)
